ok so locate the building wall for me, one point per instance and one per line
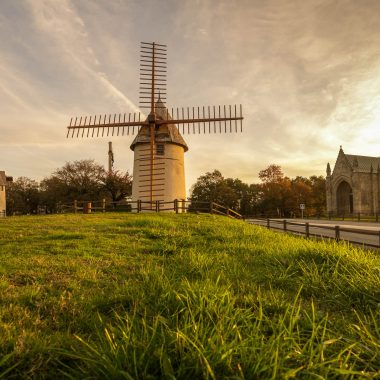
(365, 189)
(168, 173)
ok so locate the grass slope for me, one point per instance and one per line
(126, 296)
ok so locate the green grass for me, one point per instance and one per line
(125, 296)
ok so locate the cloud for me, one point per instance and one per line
(60, 22)
(306, 73)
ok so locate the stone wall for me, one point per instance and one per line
(364, 183)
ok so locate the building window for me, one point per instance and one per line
(160, 149)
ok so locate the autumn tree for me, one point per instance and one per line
(300, 193)
(318, 194)
(275, 191)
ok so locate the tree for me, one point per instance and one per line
(212, 187)
(300, 193)
(23, 196)
(248, 195)
(275, 191)
(81, 180)
(118, 185)
(272, 174)
(318, 193)
(84, 180)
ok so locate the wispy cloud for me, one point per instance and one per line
(60, 22)
(306, 72)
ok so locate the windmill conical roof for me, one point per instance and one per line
(166, 133)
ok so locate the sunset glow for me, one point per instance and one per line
(306, 72)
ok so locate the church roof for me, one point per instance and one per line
(363, 163)
(166, 133)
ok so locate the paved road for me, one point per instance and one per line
(361, 233)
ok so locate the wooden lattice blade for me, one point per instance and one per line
(210, 119)
(99, 129)
(152, 74)
(120, 123)
(202, 120)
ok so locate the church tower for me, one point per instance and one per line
(163, 177)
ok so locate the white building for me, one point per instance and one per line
(3, 184)
(161, 176)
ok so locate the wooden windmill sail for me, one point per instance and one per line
(158, 172)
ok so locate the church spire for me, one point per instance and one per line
(328, 169)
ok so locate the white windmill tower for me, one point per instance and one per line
(158, 170)
(161, 176)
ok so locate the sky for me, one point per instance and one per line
(307, 73)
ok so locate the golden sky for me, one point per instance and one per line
(306, 71)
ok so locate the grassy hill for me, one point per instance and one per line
(127, 296)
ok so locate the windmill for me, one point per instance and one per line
(158, 169)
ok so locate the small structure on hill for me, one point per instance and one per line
(354, 185)
(4, 181)
(158, 170)
(111, 158)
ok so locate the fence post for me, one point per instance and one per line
(268, 223)
(104, 205)
(358, 216)
(157, 206)
(75, 206)
(211, 207)
(337, 233)
(285, 225)
(87, 208)
(176, 206)
(139, 205)
(307, 229)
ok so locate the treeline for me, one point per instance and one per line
(85, 180)
(78, 180)
(276, 195)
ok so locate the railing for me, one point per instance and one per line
(178, 206)
(367, 237)
(357, 216)
(223, 210)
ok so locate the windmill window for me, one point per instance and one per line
(160, 149)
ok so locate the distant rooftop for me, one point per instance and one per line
(364, 162)
(4, 179)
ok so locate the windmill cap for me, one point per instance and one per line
(166, 133)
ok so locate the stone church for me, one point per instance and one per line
(354, 185)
